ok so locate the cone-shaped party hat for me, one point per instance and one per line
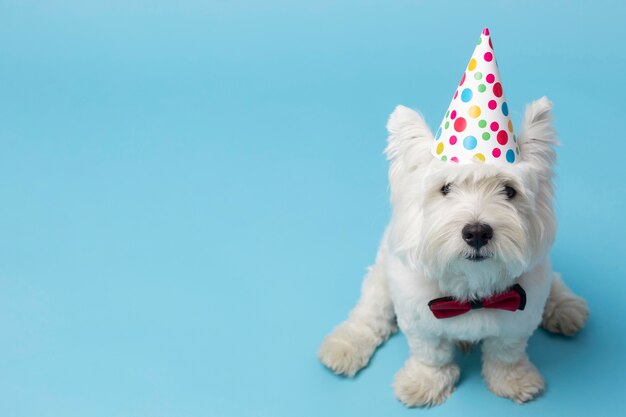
(477, 126)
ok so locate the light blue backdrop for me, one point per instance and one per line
(191, 191)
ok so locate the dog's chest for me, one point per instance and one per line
(411, 294)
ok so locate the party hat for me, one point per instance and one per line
(477, 126)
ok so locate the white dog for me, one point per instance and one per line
(465, 232)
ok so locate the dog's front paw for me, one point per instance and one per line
(520, 381)
(566, 315)
(419, 385)
(347, 349)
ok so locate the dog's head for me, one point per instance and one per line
(473, 228)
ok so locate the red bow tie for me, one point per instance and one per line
(512, 299)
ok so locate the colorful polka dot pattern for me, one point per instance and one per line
(477, 126)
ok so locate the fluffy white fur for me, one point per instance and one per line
(422, 256)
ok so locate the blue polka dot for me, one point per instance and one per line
(438, 133)
(466, 95)
(505, 109)
(510, 156)
(469, 142)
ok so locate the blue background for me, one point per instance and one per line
(191, 191)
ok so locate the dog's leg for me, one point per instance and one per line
(508, 372)
(565, 312)
(351, 344)
(429, 375)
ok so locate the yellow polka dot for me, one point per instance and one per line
(480, 157)
(510, 126)
(472, 64)
(474, 111)
(439, 148)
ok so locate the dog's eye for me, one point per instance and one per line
(445, 189)
(509, 191)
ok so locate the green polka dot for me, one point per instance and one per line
(481, 88)
(478, 75)
(486, 136)
(514, 138)
(448, 113)
(482, 123)
(446, 125)
(444, 158)
(480, 39)
(517, 150)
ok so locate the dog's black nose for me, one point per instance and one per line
(477, 235)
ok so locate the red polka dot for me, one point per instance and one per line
(486, 31)
(490, 78)
(497, 89)
(503, 137)
(453, 114)
(456, 93)
(452, 140)
(460, 124)
(492, 104)
(488, 56)
(455, 159)
(496, 152)
(462, 79)
(494, 126)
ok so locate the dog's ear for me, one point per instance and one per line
(409, 141)
(538, 137)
